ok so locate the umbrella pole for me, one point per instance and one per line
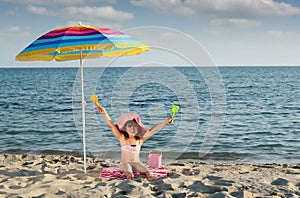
(83, 112)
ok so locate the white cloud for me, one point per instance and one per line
(235, 22)
(96, 13)
(286, 35)
(37, 10)
(217, 30)
(11, 13)
(157, 4)
(52, 2)
(221, 8)
(10, 29)
(84, 13)
(15, 31)
(226, 25)
(185, 11)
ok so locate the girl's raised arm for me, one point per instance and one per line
(109, 122)
(157, 128)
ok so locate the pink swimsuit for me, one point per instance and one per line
(131, 161)
(128, 147)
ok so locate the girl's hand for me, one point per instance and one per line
(170, 120)
(101, 109)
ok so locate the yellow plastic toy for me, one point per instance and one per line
(94, 99)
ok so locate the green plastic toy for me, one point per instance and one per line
(175, 109)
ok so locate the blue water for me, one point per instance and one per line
(257, 119)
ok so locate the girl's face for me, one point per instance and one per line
(131, 127)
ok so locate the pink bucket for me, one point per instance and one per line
(155, 158)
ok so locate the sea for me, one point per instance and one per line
(245, 114)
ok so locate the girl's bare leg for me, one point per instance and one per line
(126, 169)
(143, 169)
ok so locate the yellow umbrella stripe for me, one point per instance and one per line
(98, 54)
(122, 52)
(67, 57)
(59, 50)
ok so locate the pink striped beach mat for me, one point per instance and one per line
(114, 172)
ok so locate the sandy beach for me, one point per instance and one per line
(26, 175)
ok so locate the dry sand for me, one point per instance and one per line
(63, 176)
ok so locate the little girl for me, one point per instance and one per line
(131, 134)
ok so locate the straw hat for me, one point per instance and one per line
(126, 117)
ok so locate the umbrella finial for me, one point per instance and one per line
(79, 23)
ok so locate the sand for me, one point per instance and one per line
(26, 175)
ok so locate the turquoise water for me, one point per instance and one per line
(259, 121)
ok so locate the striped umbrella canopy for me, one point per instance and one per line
(81, 42)
(67, 43)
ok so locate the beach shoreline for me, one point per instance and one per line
(29, 175)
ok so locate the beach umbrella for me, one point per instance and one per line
(81, 42)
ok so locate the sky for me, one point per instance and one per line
(229, 32)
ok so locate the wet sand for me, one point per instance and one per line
(26, 175)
